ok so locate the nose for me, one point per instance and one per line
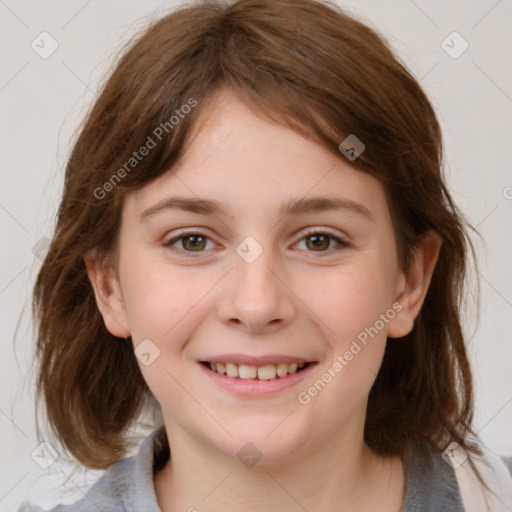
(255, 297)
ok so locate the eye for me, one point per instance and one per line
(195, 242)
(320, 241)
(189, 242)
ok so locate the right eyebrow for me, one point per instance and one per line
(187, 204)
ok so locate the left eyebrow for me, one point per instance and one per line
(294, 206)
(303, 205)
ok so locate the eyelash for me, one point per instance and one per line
(342, 243)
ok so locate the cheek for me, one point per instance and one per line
(348, 302)
(160, 300)
(351, 307)
(167, 305)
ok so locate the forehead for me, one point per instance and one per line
(247, 165)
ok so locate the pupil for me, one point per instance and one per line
(194, 241)
(318, 240)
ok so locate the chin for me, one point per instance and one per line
(264, 442)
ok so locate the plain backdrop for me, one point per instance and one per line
(43, 100)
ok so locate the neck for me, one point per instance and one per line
(339, 474)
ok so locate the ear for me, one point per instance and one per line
(107, 292)
(412, 286)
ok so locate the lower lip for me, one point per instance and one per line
(256, 387)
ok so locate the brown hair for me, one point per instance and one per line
(302, 64)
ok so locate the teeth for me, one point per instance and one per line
(245, 371)
(282, 370)
(231, 370)
(267, 372)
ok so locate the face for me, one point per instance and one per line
(245, 266)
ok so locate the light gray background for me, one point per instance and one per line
(42, 102)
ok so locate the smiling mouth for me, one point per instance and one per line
(249, 372)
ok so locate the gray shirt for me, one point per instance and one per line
(431, 484)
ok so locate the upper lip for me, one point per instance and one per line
(255, 360)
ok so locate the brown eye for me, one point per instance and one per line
(193, 242)
(189, 243)
(320, 242)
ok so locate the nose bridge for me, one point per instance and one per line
(255, 277)
(257, 296)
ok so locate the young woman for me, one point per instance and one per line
(256, 243)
